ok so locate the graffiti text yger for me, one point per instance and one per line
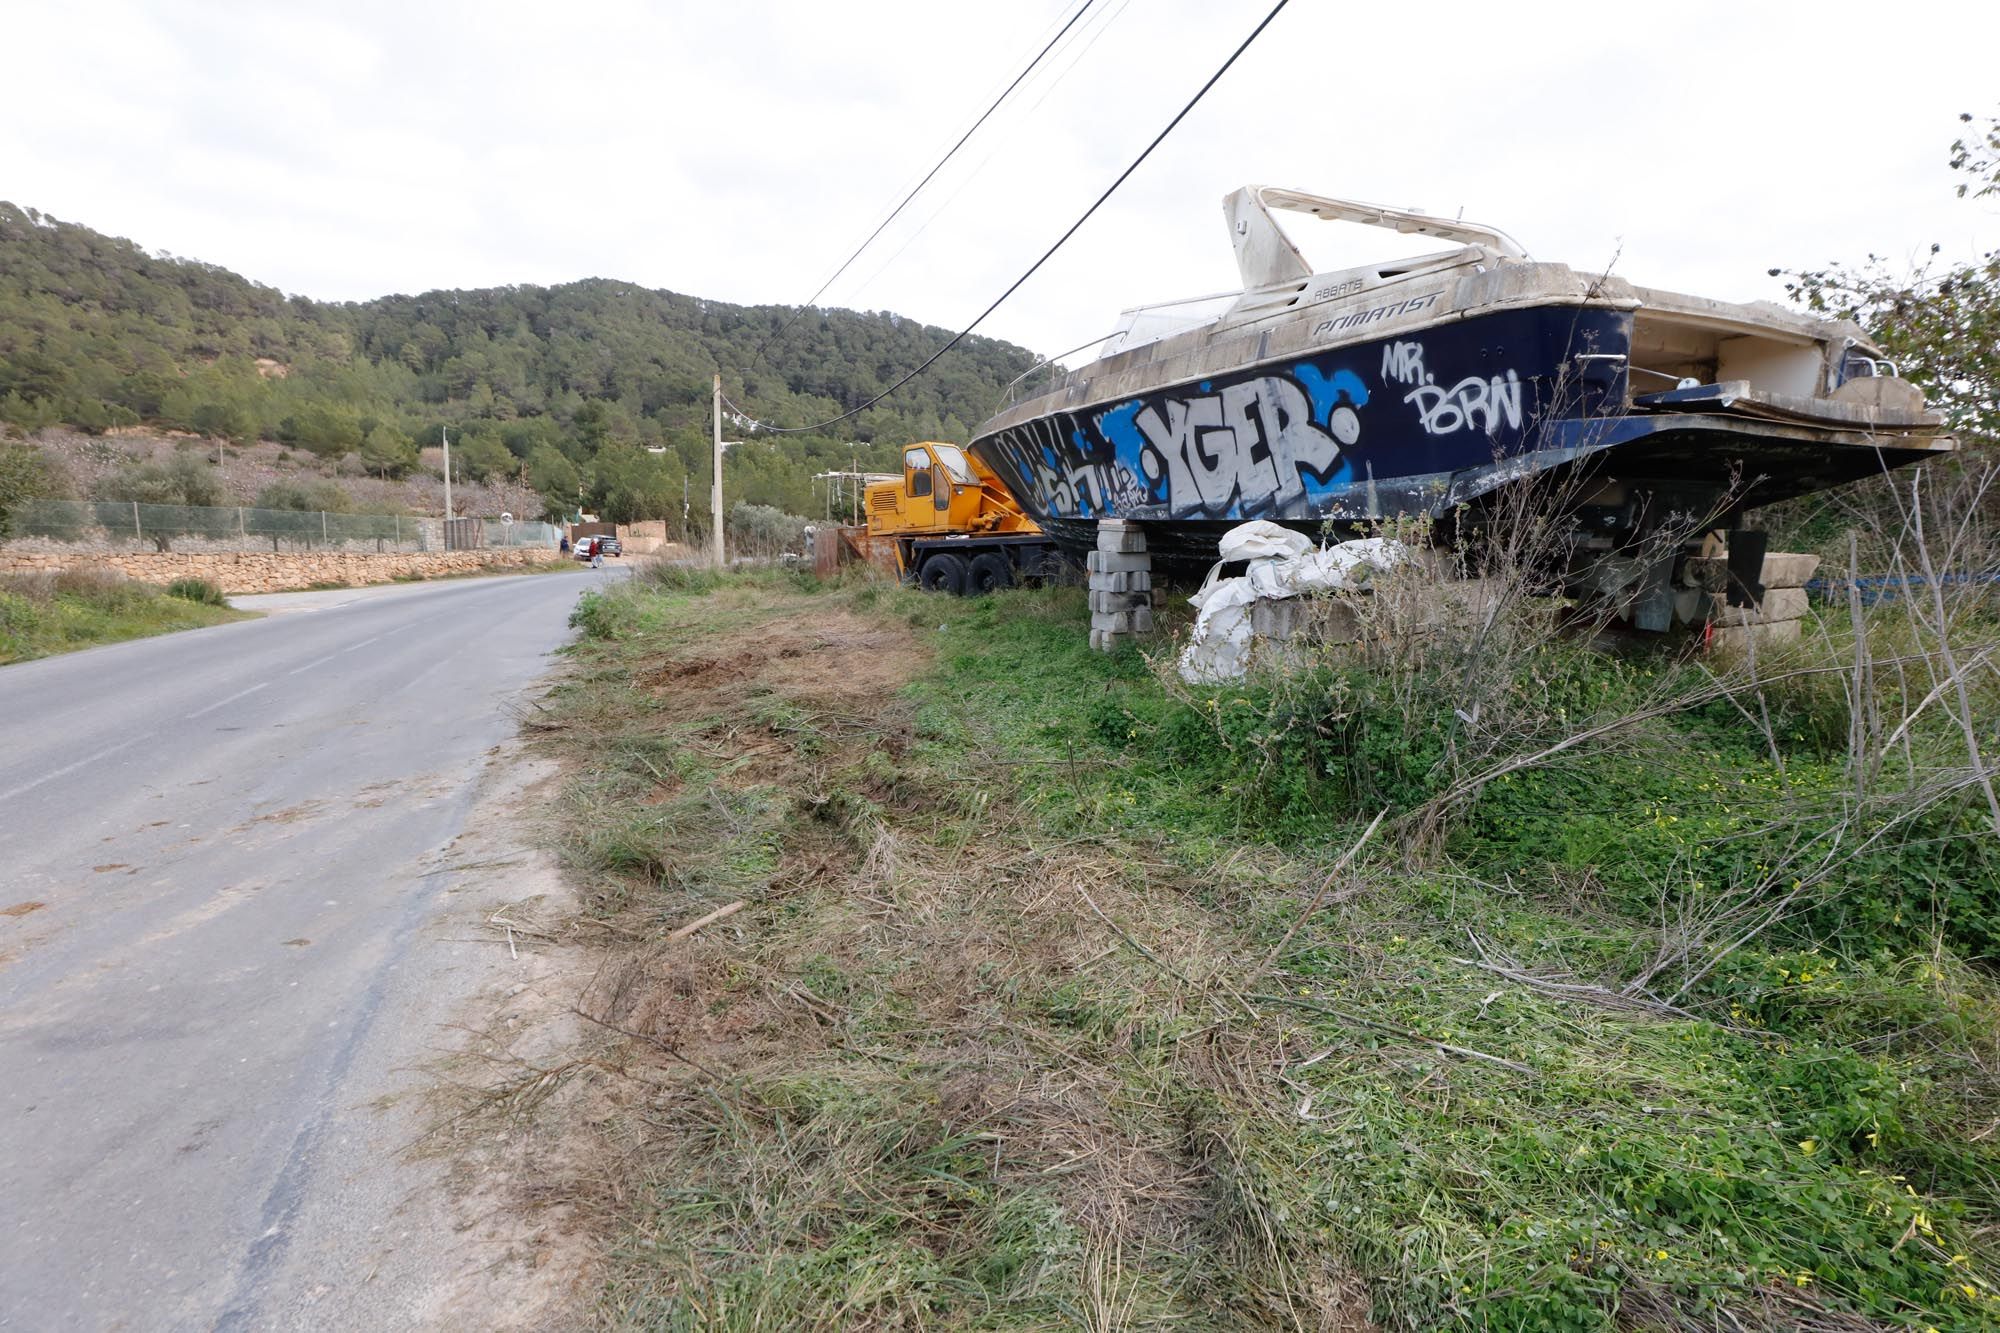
(1252, 447)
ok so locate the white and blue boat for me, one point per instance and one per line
(1425, 386)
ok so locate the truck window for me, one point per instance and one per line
(943, 491)
(920, 483)
(954, 462)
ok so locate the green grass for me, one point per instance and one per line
(41, 616)
(1814, 1123)
(1447, 1105)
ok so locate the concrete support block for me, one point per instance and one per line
(1120, 536)
(1136, 621)
(1332, 620)
(1273, 620)
(1120, 562)
(1789, 569)
(1780, 604)
(1120, 601)
(1110, 640)
(1121, 584)
(1782, 569)
(1129, 581)
(1739, 638)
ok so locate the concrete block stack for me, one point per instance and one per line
(1121, 585)
(1776, 619)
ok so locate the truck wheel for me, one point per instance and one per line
(990, 573)
(943, 573)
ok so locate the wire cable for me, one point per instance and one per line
(918, 189)
(972, 175)
(963, 333)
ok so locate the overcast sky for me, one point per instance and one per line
(741, 150)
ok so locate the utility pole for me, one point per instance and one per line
(444, 437)
(715, 490)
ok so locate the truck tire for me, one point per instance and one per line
(990, 573)
(943, 573)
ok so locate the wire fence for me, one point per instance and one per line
(124, 525)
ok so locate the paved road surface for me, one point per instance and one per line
(234, 834)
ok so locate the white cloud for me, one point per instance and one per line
(740, 151)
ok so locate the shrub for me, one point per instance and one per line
(39, 588)
(180, 480)
(310, 497)
(196, 590)
(674, 576)
(104, 589)
(24, 475)
(764, 529)
(601, 615)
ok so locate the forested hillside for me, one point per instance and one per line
(570, 386)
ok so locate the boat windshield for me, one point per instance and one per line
(954, 462)
(1150, 323)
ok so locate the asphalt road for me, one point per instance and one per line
(233, 835)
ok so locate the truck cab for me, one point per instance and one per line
(949, 523)
(942, 489)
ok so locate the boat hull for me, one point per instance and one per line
(1416, 424)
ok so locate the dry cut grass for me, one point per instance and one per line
(941, 1070)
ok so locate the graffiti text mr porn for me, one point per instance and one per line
(1482, 403)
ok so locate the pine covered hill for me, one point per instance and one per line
(570, 386)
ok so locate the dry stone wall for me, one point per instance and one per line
(267, 571)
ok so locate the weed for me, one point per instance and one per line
(676, 576)
(84, 606)
(197, 590)
(1052, 1005)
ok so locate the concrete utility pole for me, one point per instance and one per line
(715, 489)
(445, 437)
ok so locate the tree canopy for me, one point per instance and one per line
(97, 333)
(1940, 323)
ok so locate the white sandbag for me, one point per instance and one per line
(1219, 647)
(1348, 565)
(1259, 540)
(1282, 564)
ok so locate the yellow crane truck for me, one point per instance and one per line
(949, 524)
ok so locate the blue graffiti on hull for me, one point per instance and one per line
(1257, 446)
(1309, 436)
(1263, 445)
(1328, 392)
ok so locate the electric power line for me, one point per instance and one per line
(963, 333)
(918, 189)
(970, 176)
